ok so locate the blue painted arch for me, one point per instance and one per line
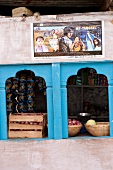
(41, 70)
(69, 69)
(56, 76)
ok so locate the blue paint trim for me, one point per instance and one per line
(50, 115)
(57, 101)
(64, 112)
(110, 92)
(3, 115)
(69, 69)
(41, 70)
(7, 71)
(56, 76)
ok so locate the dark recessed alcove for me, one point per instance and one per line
(7, 10)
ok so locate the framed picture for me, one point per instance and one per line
(81, 38)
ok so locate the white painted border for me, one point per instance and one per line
(49, 59)
(32, 42)
(103, 42)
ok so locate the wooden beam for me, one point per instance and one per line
(106, 4)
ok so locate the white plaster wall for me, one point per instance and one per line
(16, 41)
(79, 154)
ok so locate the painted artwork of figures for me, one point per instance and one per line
(68, 38)
(78, 45)
(40, 47)
(93, 42)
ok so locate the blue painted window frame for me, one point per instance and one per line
(43, 71)
(56, 76)
(69, 69)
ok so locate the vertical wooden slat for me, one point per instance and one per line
(50, 117)
(3, 114)
(110, 92)
(57, 101)
(64, 112)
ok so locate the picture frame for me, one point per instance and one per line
(67, 39)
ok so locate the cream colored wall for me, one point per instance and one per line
(16, 44)
(79, 154)
(66, 154)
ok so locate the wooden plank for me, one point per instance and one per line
(24, 126)
(37, 114)
(57, 97)
(64, 113)
(25, 117)
(25, 134)
(51, 3)
(3, 114)
(50, 113)
(106, 5)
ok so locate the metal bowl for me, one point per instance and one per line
(84, 114)
(83, 117)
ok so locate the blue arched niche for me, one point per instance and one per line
(69, 69)
(7, 71)
(88, 92)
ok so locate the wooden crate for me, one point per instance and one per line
(27, 125)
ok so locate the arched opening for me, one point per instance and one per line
(88, 93)
(26, 105)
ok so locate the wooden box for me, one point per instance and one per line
(20, 11)
(27, 125)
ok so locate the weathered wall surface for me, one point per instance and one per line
(80, 154)
(16, 41)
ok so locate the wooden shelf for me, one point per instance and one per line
(93, 86)
(92, 117)
(86, 86)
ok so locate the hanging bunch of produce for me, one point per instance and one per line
(22, 103)
(30, 94)
(20, 92)
(11, 94)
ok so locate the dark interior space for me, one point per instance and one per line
(7, 10)
(51, 7)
